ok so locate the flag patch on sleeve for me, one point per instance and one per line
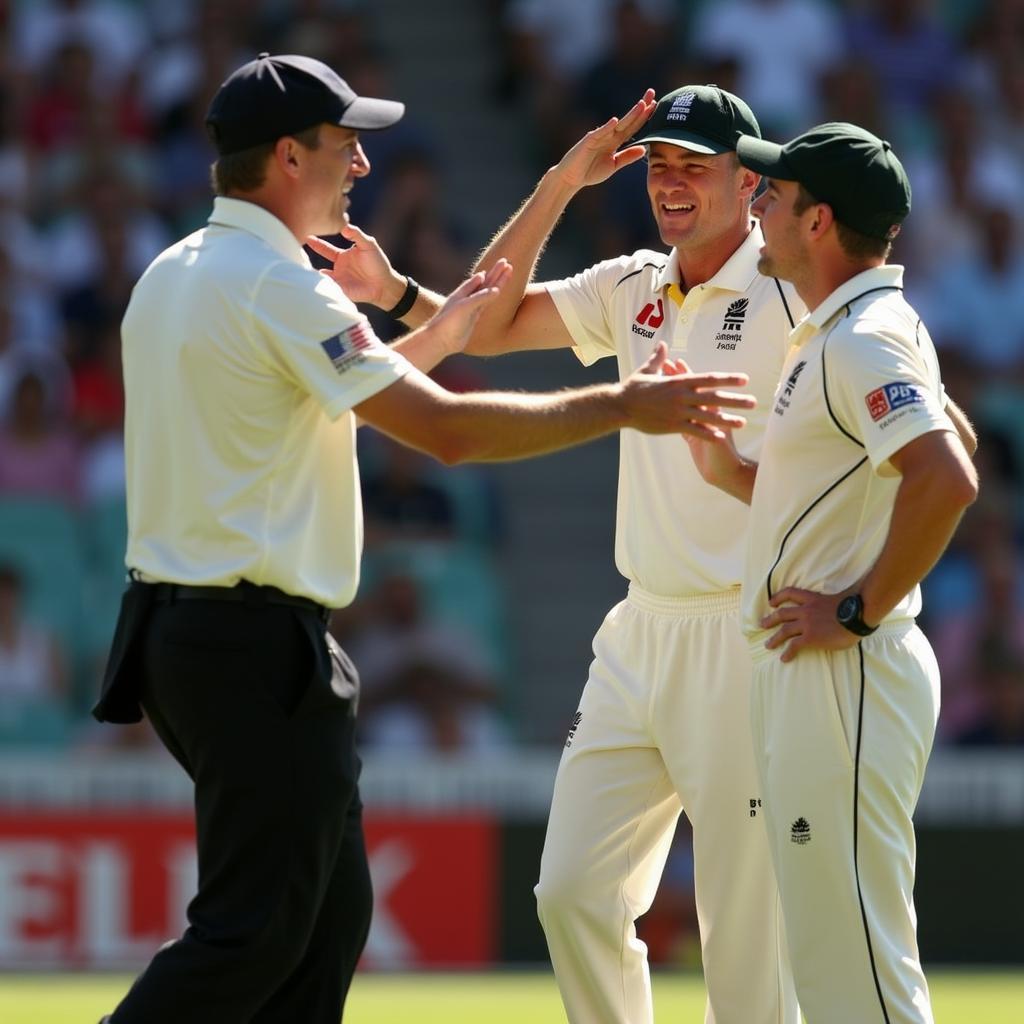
(891, 397)
(349, 347)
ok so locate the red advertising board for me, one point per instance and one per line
(105, 890)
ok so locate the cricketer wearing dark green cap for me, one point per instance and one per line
(862, 477)
(841, 164)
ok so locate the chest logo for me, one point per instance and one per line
(732, 325)
(735, 315)
(651, 316)
(782, 403)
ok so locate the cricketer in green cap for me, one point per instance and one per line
(853, 171)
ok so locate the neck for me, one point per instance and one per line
(273, 202)
(698, 264)
(822, 280)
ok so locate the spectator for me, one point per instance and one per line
(1001, 688)
(911, 52)
(976, 302)
(550, 46)
(401, 500)
(113, 31)
(33, 679)
(38, 457)
(782, 47)
(427, 686)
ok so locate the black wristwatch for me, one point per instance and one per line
(850, 615)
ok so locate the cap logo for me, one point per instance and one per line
(680, 109)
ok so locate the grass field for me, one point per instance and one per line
(959, 998)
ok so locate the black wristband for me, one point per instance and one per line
(407, 301)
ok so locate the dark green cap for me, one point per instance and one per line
(703, 118)
(855, 172)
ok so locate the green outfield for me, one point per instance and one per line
(960, 997)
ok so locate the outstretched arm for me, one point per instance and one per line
(490, 426)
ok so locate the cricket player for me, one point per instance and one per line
(663, 722)
(862, 479)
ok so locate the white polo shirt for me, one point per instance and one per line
(675, 535)
(861, 381)
(242, 364)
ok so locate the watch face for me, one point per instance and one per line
(848, 608)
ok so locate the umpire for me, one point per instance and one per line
(245, 370)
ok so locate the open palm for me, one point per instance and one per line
(597, 156)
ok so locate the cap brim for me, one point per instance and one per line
(764, 157)
(367, 114)
(685, 140)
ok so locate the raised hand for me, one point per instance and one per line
(692, 404)
(363, 270)
(595, 157)
(454, 321)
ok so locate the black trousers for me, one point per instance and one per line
(257, 704)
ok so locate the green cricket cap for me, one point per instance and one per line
(855, 172)
(703, 118)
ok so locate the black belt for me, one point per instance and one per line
(241, 593)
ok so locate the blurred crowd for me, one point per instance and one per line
(104, 161)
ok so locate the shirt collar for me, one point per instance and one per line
(735, 275)
(258, 221)
(889, 275)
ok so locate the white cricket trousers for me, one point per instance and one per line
(663, 723)
(842, 739)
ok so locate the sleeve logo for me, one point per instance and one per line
(891, 397)
(348, 348)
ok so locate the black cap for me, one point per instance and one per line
(703, 118)
(855, 172)
(274, 96)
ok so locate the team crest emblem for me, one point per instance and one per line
(735, 315)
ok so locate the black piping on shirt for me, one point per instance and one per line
(633, 273)
(803, 515)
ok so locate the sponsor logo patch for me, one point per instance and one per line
(648, 318)
(891, 397)
(348, 348)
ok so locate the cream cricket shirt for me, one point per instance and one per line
(241, 367)
(861, 381)
(675, 535)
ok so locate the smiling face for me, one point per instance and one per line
(697, 198)
(329, 172)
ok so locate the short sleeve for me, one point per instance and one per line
(317, 337)
(582, 302)
(884, 391)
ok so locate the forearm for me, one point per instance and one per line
(521, 241)
(426, 305)
(502, 426)
(720, 465)
(738, 481)
(924, 518)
